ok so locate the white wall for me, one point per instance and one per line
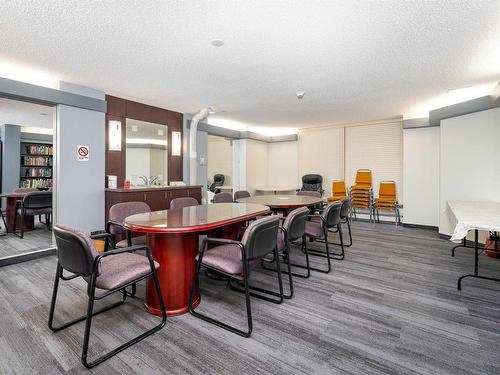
(79, 186)
(256, 165)
(421, 176)
(469, 160)
(321, 151)
(378, 147)
(220, 158)
(283, 168)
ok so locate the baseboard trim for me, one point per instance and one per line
(32, 255)
(421, 226)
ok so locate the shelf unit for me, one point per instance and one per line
(35, 165)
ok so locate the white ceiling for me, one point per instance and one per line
(25, 114)
(355, 60)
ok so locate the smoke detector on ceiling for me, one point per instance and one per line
(300, 94)
(217, 43)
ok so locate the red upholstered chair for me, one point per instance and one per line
(110, 271)
(183, 202)
(235, 259)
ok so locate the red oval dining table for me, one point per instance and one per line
(173, 238)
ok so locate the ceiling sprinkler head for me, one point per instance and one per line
(300, 94)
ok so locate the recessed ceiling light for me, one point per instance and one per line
(300, 94)
(44, 114)
(217, 43)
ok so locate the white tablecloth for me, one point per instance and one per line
(470, 215)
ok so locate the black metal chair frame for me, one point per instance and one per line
(244, 279)
(320, 253)
(91, 289)
(20, 205)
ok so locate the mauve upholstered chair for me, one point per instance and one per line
(292, 230)
(111, 271)
(183, 202)
(345, 218)
(223, 198)
(241, 194)
(309, 193)
(122, 237)
(317, 230)
(34, 203)
(234, 259)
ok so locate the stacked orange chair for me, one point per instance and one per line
(387, 200)
(362, 193)
(339, 191)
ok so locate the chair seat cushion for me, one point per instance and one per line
(226, 258)
(117, 270)
(314, 229)
(139, 240)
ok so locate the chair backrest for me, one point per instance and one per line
(37, 200)
(241, 194)
(295, 223)
(218, 181)
(183, 202)
(223, 198)
(75, 250)
(338, 188)
(364, 177)
(387, 190)
(312, 182)
(345, 208)
(309, 193)
(118, 212)
(260, 238)
(331, 214)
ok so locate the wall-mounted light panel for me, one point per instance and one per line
(115, 135)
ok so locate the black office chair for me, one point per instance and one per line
(33, 204)
(234, 259)
(312, 182)
(218, 181)
(111, 271)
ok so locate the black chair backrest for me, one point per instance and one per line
(260, 238)
(75, 250)
(312, 182)
(37, 200)
(295, 223)
(223, 198)
(331, 214)
(346, 207)
(218, 181)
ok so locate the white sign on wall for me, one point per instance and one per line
(82, 153)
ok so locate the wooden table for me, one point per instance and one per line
(284, 203)
(173, 238)
(12, 199)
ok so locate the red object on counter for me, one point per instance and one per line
(126, 185)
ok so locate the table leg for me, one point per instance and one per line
(476, 264)
(176, 254)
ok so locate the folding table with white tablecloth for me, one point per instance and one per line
(476, 216)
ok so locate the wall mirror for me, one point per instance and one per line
(147, 153)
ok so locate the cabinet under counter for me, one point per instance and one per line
(158, 198)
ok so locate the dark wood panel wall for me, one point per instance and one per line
(121, 109)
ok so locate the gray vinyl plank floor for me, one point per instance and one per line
(391, 307)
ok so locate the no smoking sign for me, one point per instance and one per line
(82, 153)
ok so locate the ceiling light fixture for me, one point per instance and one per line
(300, 94)
(217, 43)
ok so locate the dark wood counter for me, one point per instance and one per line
(158, 198)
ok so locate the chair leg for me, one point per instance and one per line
(218, 323)
(21, 234)
(326, 255)
(302, 266)
(335, 256)
(90, 314)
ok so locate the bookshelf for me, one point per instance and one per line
(36, 165)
